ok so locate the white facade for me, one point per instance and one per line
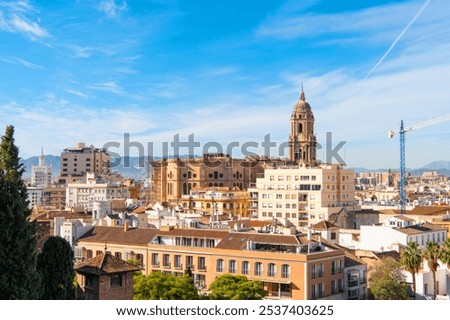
(41, 175)
(424, 281)
(304, 195)
(386, 238)
(86, 194)
(34, 197)
(71, 230)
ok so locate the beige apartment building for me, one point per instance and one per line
(79, 160)
(303, 195)
(289, 266)
(220, 201)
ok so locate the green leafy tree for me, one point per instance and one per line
(444, 254)
(230, 287)
(160, 286)
(55, 263)
(19, 278)
(411, 260)
(387, 282)
(431, 254)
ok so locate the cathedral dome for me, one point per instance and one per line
(301, 105)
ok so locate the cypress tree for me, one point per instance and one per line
(19, 278)
(55, 264)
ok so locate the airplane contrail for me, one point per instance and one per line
(394, 43)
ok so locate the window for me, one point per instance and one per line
(166, 260)
(271, 270)
(232, 266)
(98, 252)
(333, 267)
(190, 262)
(245, 267)
(333, 287)
(258, 268)
(320, 289)
(155, 260)
(178, 264)
(140, 258)
(219, 265)
(201, 263)
(285, 271)
(279, 196)
(313, 292)
(320, 270)
(118, 255)
(88, 254)
(116, 281)
(313, 271)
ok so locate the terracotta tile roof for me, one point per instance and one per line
(421, 210)
(118, 235)
(104, 263)
(324, 225)
(420, 228)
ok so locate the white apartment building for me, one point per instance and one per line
(94, 190)
(397, 231)
(304, 195)
(41, 175)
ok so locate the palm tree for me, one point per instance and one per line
(411, 260)
(431, 254)
(445, 252)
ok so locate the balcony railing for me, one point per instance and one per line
(166, 265)
(178, 266)
(155, 264)
(352, 283)
(286, 275)
(201, 268)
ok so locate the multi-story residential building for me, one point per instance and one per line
(79, 160)
(304, 195)
(34, 197)
(217, 201)
(54, 197)
(94, 190)
(398, 231)
(290, 266)
(41, 175)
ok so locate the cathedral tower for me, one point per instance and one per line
(302, 141)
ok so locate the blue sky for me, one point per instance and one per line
(226, 71)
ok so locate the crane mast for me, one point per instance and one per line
(401, 133)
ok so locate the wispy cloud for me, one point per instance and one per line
(220, 71)
(294, 24)
(111, 9)
(77, 93)
(110, 86)
(81, 52)
(17, 19)
(25, 63)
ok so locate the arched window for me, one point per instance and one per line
(258, 269)
(219, 265)
(271, 270)
(216, 175)
(232, 266)
(300, 128)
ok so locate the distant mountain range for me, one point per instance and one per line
(441, 166)
(138, 168)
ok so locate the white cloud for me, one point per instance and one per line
(16, 19)
(25, 63)
(111, 9)
(77, 93)
(81, 52)
(389, 18)
(110, 86)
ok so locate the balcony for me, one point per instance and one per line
(166, 266)
(178, 267)
(202, 268)
(352, 283)
(155, 264)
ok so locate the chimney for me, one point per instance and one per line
(125, 226)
